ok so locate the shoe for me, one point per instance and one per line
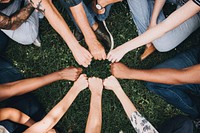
(37, 42)
(197, 123)
(148, 50)
(78, 35)
(104, 36)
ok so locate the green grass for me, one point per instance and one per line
(55, 55)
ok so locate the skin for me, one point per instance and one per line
(95, 47)
(172, 21)
(94, 121)
(163, 75)
(81, 55)
(59, 110)
(27, 85)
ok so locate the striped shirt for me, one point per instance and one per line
(182, 2)
(197, 2)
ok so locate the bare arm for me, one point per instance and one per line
(94, 121)
(15, 20)
(82, 56)
(15, 116)
(49, 121)
(188, 75)
(139, 123)
(176, 18)
(156, 11)
(27, 85)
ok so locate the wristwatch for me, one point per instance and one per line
(98, 6)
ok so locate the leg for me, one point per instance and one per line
(27, 32)
(29, 105)
(3, 42)
(177, 124)
(178, 95)
(176, 36)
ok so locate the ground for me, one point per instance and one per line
(55, 55)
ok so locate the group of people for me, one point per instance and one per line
(176, 80)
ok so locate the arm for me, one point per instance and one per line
(94, 121)
(49, 121)
(188, 75)
(94, 45)
(156, 11)
(139, 123)
(15, 116)
(27, 85)
(82, 56)
(15, 20)
(176, 18)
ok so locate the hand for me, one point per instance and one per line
(116, 54)
(82, 56)
(111, 83)
(70, 73)
(96, 49)
(119, 70)
(95, 85)
(81, 83)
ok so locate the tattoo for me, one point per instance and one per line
(16, 19)
(38, 6)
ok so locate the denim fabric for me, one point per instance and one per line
(181, 96)
(91, 15)
(3, 42)
(141, 12)
(177, 124)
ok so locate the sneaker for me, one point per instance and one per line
(104, 36)
(37, 42)
(78, 35)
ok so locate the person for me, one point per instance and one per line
(91, 23)
(176, 80)
(177, 124)
(14, 91)
(16, 24)
(182, 16)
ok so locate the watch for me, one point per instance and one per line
(99, 7)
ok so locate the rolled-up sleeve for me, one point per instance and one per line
(197, 2)
(71, 3)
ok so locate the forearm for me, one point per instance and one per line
(94, 121)
(15, 20)
(156, 10)
(168, 75)
(128, 106)
(50, 120)
(27, 85)
(80, 17)
(175, 19)
(15, 115)
(59, 24)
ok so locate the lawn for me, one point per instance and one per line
(55, 55)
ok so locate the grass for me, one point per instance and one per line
(55, 55)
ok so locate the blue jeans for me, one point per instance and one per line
(141, 12)
(185, 97)
(177, 124)
(26, 103)
(91, 15)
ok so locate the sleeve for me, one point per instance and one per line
(140, 124)
(72, 3)
(197, 2)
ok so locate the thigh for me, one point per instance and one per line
(3, 42)
(183, 60)
(8, 73)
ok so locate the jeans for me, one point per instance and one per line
(26, 103)
(141, 12)
(88, 10)
(26, 33)
(185, 97)
(177, 124)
